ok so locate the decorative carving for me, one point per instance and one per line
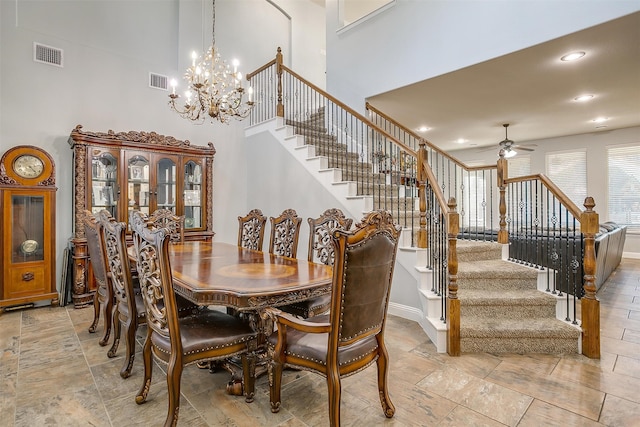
(140, 137)
(28, 276)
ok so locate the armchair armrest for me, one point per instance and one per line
(285, 319)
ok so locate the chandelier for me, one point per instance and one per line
(214, 88)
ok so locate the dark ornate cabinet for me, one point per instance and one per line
(27, 236)
(125, 171)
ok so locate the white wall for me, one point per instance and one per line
(416, 40)
(595, 144)
(109, 49)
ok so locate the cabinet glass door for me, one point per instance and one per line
(138, 184)
(104, 183)
(27, 233)
(193, 197)
(166, 184)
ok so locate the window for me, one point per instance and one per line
(624, 185)
(568, 170)
(519, 166)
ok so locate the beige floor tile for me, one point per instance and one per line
(583, 400)
(544, 414)
(618, 412)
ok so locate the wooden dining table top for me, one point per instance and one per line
(214, 273)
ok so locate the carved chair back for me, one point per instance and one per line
(251, 230)
(165, 218)
(129, 312)
(320, 244)
(152, 258)
(285, 231)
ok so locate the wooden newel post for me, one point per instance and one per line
(589, 226)
(422, 190)
(453, 319)
(502, 172)
(280, 106)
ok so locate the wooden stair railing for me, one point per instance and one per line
(589, 227)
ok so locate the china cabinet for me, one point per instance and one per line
(125, 171)
(27, 239)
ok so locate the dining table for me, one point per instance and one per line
(245, 281)
(215, 273)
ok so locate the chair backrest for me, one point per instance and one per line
(96, 248)
(362, 274)
(118, 260)
(151, 246)
(285, 231)
(320, 244)
(251, 230)
(165, 218)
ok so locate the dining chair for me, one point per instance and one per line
(321, 251)
(103, 297)
(351, 336)
(129, 310)
(166, 218)
(180, 341)
(285, 231)
(251, 230)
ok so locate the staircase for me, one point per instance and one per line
(501, 309)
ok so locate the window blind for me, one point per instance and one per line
(519, 166)
(568, 170)
(624, 185)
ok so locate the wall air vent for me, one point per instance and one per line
(47, 54)
(158, 81)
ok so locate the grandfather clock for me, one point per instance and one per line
(28, 205)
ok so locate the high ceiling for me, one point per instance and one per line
(531, 89)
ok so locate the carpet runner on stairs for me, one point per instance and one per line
(501, 310)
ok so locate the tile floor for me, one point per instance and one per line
(54, 373)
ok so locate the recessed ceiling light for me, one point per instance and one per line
(461, 140)
(423, 129)
(600, 119)
(583, 98)
(572, 56)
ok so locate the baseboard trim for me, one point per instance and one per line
(405, 311)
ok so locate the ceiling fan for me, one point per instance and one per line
(509, 146)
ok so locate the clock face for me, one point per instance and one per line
(28, 166)
(29, 246)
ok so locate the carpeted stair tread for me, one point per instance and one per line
(495, 269)
(473, 250)
(482, 327)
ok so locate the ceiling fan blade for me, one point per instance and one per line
(520, 147)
